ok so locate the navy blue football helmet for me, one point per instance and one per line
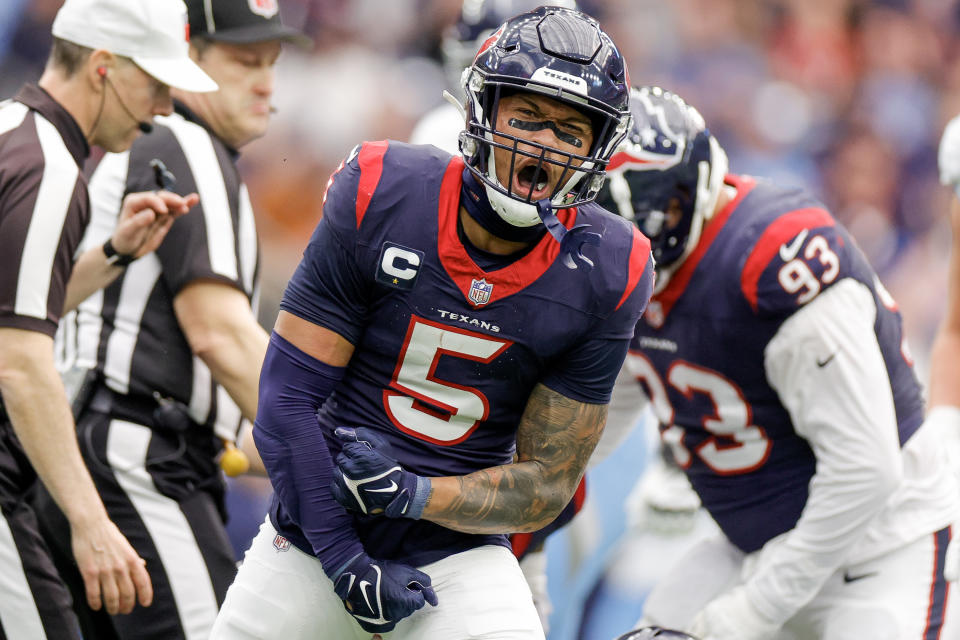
(477, 20)
(655, 633)
(564, 55)
(668, 158)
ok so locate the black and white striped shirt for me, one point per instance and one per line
(129, 330)
(43, 208)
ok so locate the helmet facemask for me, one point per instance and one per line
(581, 174)
(535, 54)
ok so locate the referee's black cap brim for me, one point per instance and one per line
(261, 33)
(241, 22)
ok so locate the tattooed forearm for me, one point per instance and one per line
(554, 441)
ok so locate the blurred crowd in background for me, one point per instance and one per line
(848, 97)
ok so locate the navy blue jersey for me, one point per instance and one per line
(699, 354)
(447, 354)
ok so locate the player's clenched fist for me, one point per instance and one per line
(369, 480)
(380, 594)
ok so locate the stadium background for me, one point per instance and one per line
(848, 97)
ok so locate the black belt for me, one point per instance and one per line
(161, 413)
(194, 444)
(125, 407)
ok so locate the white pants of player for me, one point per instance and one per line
(286, 595)
(889, 598)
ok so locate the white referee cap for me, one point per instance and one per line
(155, 34)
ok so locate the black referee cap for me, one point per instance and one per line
(241, 22)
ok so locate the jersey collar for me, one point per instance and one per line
(461, 268)
(43, 103)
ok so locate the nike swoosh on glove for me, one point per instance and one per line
(380, 594)
(367, 479)
(948, 155)
(731, 616)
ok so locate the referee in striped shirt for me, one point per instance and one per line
(174, 340)
(109, 69)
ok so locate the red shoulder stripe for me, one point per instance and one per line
(370, 159)
(639, 259)
(778, 233)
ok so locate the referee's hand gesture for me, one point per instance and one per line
(146, 217)
(114, 576)
(144, 220)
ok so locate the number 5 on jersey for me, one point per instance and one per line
(438, 411)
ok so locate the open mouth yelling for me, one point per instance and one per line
(532, 182)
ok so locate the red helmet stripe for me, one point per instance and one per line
(623, 158)
(489, 42)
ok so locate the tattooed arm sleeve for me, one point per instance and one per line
(554, 441)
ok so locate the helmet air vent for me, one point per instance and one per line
(568, 38)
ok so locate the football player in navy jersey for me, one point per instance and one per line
(441, 127)
(444, 355)
(775, 362)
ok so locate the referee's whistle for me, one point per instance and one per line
(162, 176)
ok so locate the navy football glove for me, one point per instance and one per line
(367, 479)
(380, 594)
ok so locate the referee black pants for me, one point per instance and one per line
(165, 493)
(34, 603)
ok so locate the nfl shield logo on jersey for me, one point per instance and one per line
(480, 291)
(265, 8)
(280, 543)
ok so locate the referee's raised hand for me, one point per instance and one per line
(144, 220)
(114, 576)
(146, 217)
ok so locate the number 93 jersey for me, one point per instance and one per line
(447, 352)
(699, 353)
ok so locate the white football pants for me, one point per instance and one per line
(285, 595)
(898, 596)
